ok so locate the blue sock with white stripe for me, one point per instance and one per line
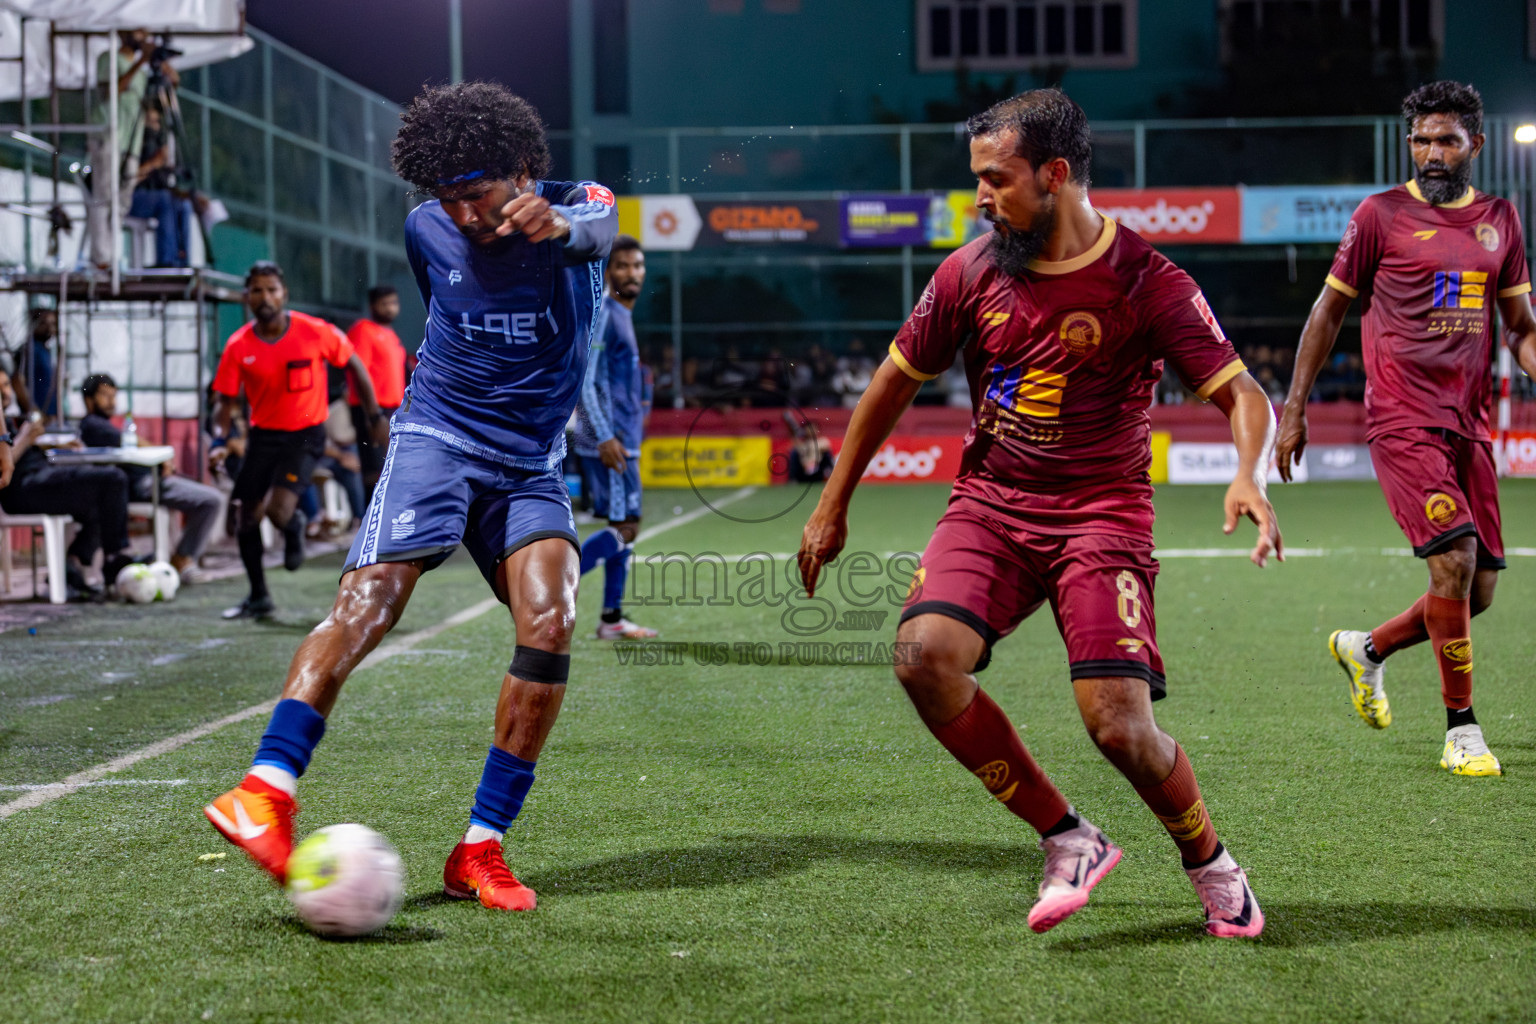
(291, 737)
(615, 574)
(600, 547)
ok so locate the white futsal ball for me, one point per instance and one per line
(138, 583)
(168, 578)
(346, 880)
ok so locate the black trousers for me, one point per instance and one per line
(96, 497)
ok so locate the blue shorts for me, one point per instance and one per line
(615, 496)
(431, 497)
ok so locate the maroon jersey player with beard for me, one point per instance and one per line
(1430, 261)
(1065, 321)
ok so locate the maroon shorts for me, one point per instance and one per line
(1440, 487)
(991, 572)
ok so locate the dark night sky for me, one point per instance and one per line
(393, 46)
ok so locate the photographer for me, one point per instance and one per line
(136, 57)
(157, 196)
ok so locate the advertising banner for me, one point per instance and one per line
(1308, 213)
(662, 223)
(874, 220)
(1175, 216)
(1212, 464)
(705, 461)
(954, 220)
(1338, 462)
(913, 459)
(810, 222)
(1520, 451)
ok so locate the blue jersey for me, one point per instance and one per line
(615, 396)
(508, 329)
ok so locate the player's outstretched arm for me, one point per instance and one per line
(1247, 407)
(1317, 339)
(1519, 323)
(886, 398)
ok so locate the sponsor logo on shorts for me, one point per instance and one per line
(916, 586)
(1080, 332)
(1440, 508)
(1459, 651)
(402, 525)
(1487, 236)
(1188, 825)
(994, 775)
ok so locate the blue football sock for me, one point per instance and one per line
(600, 547)
(503, 786)
(291, 737)
(615, 573)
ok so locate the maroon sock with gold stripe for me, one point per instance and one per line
(983, 739)
(1177, 804)
(1449, 622)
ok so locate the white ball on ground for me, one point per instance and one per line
(138, 584)
(346, 880)
(677, 510)
(168, 578)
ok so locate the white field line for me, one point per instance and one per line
(79, 780)
(646, 533)
(99, 782)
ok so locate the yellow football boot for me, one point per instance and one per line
(1365, 686)
(1467, 753)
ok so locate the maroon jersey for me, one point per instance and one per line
(1062, 363)
(1430, 276)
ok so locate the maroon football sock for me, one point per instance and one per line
(1402, 630)
(1449, 623)
(985, 741)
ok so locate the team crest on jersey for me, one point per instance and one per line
(1208, 315)
(1349, 237)
(1440, 508)
(925, 302)
(1080, 332)
(1487, 236)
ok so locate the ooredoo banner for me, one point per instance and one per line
(1175, 216)
(1520, 452)
(913, 459)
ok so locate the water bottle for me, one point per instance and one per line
(130, 432)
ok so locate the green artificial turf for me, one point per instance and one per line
(763, 833)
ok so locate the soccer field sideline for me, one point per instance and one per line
(44, 793)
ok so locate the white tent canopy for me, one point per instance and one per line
(76, 55)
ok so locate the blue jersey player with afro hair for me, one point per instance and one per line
(510, 266)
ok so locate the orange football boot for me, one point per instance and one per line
(257, 817)
(479, 870)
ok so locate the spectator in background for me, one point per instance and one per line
(342, 463)
(378, 346)
(853, 374)
(96, 497)
(772, 388)
(155, 194)
(198, 503)
(38, 362)
(810, 460)
(132, 69)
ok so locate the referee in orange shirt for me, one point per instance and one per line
(378, 346)
(279, 358)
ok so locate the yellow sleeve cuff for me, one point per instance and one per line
(1338, 285)
(1221, 376)
(906, 367)
(1519, 289)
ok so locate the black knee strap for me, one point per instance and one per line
(538, 666)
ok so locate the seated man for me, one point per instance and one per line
(198, 503)
(96, 497)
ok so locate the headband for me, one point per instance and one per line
(460, 178)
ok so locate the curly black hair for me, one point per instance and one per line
(1446, 97)
(1048, 125)
(453, 130)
